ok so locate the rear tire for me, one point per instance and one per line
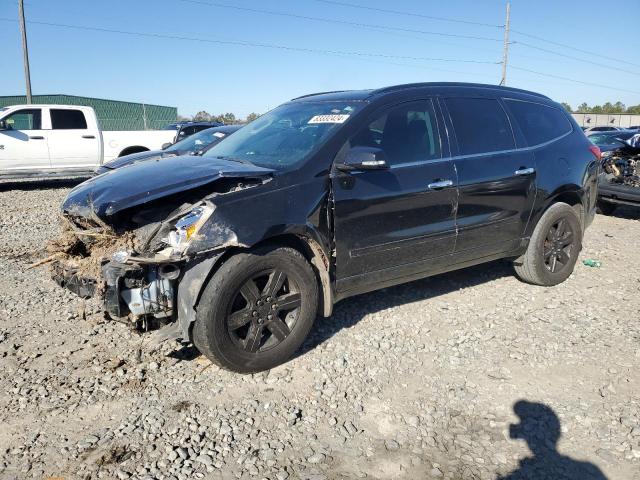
(553, 248)
(257, 309)
(606, 208)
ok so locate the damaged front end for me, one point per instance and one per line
(623, 167)
(143, 239)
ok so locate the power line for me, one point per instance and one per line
(408, 14)
(528, 45)
(253, 44)
(449, 19)
(574, 80)
(535, 37)
(337, 21)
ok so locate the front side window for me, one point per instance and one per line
(406, 133)
(286, 135)
(65, 119)
(539, 123)
(25, 119)
(481, 125)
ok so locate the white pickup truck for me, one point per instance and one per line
(64, 140)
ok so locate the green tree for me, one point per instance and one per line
(202, 116)
(567, 107)
(251, 117)
(583, 108)
(635, 109)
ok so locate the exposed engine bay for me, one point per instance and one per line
(623, 167)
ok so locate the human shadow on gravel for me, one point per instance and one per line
(350, 311)
(540, 427)
(40, 184)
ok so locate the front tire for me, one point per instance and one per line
(553, 248)
(257, 309)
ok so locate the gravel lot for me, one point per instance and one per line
(415, 381)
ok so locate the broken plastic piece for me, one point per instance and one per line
(592, 263)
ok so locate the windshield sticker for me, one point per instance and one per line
(329, 119)
(219, 134)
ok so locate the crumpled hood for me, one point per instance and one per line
(142, 182)
(137, 157)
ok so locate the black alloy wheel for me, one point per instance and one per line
(257, 309)
(553, 248)
(558, 245)
(264, 311)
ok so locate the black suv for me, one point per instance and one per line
(328, 196)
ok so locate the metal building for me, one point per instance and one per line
(112, 114)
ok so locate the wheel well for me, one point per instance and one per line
(573, 200)
(314, 254)
(135, 149)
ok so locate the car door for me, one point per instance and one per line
(397, 221)
(496, 180)
(24, 143)
(72, 143)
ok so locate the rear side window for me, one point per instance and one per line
(539, 123)
(407, 133)
(64, 119)
(481, 125)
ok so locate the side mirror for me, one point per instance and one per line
(364, 158)
(166, 145)
(3, 125)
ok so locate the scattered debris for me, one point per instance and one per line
(592, 263)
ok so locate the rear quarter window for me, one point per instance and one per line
(539, 123)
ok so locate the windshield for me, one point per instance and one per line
(198, 141)
(285, 135)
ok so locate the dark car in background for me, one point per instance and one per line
(186, 129)
(193, 145)
(328, 196)
(611, 140)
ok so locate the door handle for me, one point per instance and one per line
(88, 136)
(36, 137)
(525, 171)
(439, 184)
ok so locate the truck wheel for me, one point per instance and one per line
(606, 208)
(257, 309)
(553, 248)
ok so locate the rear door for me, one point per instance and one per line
(401, 220)
(24, 144)
(497, 180)
(73, 140)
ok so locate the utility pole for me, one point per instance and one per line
(505, 54)
(25, 50)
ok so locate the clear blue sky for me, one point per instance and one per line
(220, 78)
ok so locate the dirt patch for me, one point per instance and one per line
(84, 251)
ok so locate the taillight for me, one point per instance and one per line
(596, 151)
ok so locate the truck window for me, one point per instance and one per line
(25, 119)
(406, 133)
(539, 123)
(65, 119)
(481, 125)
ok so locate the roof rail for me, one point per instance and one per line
(319, 93)
(394, 88)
